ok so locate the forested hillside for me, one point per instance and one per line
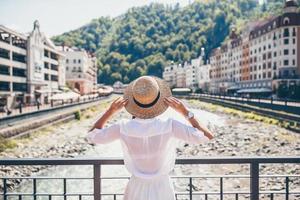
(145, 39)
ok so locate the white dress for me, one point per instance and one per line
(149, 153)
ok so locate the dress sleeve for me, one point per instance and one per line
(187, 133)
(104, 135)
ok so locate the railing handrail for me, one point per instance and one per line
(254, 175)
(120, 161)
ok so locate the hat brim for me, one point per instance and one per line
(145, 113)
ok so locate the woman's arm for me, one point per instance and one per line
(178, 106)
(116, 106)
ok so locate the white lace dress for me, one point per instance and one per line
(149, 153)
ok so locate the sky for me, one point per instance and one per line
(59, 16)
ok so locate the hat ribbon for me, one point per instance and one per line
(149, 104)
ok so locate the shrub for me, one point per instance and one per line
(77, 115)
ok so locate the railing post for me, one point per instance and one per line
(191, 188)
(271, 100)
(4, 189)
(20, 108)
(97, 182)
(221, 188)
(254, 181)
(287, 188)
(65, 189)
(34, 188)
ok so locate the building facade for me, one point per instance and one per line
(193, 74)
(31, 67)
(81, 70)
(264, 58)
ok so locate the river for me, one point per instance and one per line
(234, 136)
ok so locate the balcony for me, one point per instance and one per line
(254, 178)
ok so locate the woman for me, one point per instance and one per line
(147, 140)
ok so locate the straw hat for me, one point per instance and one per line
(145, 97)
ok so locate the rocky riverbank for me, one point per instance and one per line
(235, 135)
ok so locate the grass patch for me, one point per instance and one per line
(235, 112)
(6, 144)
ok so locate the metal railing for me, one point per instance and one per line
(22, 109)
(254, 176)
(273, 101)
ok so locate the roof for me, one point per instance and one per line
(181, 90)
(254, 90)
(291, 3)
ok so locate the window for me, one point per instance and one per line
(46, 77)
(54, 78)
(294, 32)
(4, 70)
(67, 60)
(269, 74)
(286, 21)
(294, 62)
(286, 41)
(286, 52)
(294, 41)
(275, 53)
(46, 65)
(19, 57)
(294, 51)
(4, 86)
(4, 53)
(20, 87)
(19, 72)
(46, 53)
(54, 67)
(286, 62)
(286, 32)
(74, 61)
(54, 56)
(269, 65)
(79, 61)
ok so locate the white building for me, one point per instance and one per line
(187, 75)
(31, 67)
(203, 76)
(169, 74)
(81, 70)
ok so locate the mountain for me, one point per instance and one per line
(145, 39)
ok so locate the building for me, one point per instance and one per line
(203, 77)
(81, 70)
(188, 75)
(169, 75)
(31, 67)
(263, 59)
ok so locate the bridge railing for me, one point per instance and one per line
(254, 177)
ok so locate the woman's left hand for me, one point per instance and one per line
(177, 105)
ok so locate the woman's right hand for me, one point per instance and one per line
(117, 105)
